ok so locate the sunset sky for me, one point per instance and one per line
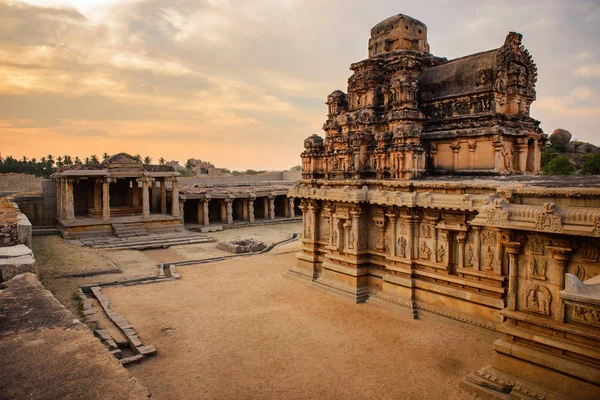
(243, 83)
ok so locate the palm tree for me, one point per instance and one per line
(59, 161)
(77, 160)
(188, 164)
(104, 156)
(161, 161)
(68, 160)
(147, 160)
(94, 160)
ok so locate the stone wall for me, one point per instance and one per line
(8, 235)
(207, 180)
(19, 183)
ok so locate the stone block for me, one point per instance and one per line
(146, 350)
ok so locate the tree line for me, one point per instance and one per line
(47, 165)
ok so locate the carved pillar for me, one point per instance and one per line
(380, 224)
(498, 159)
(455, 149)
(561, 256)
(69, 201)
(251, 209)
(350, 246)
(163, 196)
(145, 196)
(472, 146)
(106, 199)
(522, 149)
(513, 249)
(63, 196)
(393, 219)
(477, 248)
(271, 207)
(291, 207)
(229, 211)
(175, 198)
(461, 238)
(223, 211)
(205, 211)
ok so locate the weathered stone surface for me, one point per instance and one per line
(560, 136)
(15, 251)
(242, 246)
(42, 343)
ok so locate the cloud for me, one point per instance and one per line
(243, 82)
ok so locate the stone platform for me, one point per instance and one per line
(48, 354)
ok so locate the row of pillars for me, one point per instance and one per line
(248, 210)
(100, 196)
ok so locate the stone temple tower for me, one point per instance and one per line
(408, 113)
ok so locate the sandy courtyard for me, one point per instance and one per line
(241, 329)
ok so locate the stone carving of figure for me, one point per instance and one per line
(489, 260)
(424, 251)
(352, 240)
(402, 243)
(537, 299)
(536, 272)
(469, 255)
(508, 153)
(441, 253)
(380, 243)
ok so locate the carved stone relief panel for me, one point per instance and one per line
(537, 299)
(489, 259)
(535, 245)
(489, 238)
(586, 315)
(402, 243)
(536, 270)
(424, 251)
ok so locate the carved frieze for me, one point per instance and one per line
(591, 253)
(535, 244)
(547, 220)
(489, 238)
(537, 299)
(586, 315)
(537, 270)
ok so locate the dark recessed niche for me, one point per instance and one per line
(406, 26)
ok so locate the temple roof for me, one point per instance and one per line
(458, 77)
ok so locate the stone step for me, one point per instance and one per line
(133, 239)
(151, 244)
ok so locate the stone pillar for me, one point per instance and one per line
(200, 212)
(145, 197)
(223, 211)
(206, 214)
(59, 206)
(291, 206)
(245, 210)
(135, 202)
(106, 199)
(69, 201)
(537, 158)
(472, 147)
(522, 149)
(477, 248)
(498, 159)
(393, 222)
(513, 250)
(251, 209)
(163, 196)
(63, 196)
(181, 209)
(266, 207)
(349, 245)
(462, 239)
(97, 194)
(155, 195)
(271, 207)
(286, 209)
(455, 149)
(561, 256)
(229, 211)
(175, 198)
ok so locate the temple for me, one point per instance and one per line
(121, 193)
(489, 243)
(408, 113)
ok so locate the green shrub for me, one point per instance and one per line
(559, 165)
(591, 165)
(548, 155)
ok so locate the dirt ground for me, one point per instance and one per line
(58, 258)
(241, 329)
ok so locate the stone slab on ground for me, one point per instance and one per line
(48, 354)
